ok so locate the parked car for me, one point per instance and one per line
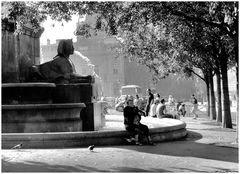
(132, 90)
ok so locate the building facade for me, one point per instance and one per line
(98, 50)
(117, 71)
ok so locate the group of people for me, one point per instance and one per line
(155, 108)
(132, 116)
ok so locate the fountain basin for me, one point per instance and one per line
(24, 93)
(164, 130)
(40, 118)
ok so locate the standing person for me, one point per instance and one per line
(132, 117)
(195, 106)
(178, 105)
(149, 101)
(153, 108)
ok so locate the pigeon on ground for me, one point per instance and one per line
(18, 146)
(91, 147)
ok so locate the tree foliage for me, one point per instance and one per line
(167, 37)
(22, 13)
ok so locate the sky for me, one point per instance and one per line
(54, 30)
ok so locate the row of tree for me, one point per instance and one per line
(167, 37)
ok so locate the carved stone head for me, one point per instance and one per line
(65, 47)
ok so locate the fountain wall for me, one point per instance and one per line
(18, 51)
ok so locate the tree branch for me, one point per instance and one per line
(197, 75)
(219, 25)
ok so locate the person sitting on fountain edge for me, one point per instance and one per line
(161, 110)
(60, 69)
(132, 117)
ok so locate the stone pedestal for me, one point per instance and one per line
(77, 93)
(41, 118)
(28, 108)
(72, 93)
(27, 93)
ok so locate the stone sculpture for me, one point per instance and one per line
(60, 70)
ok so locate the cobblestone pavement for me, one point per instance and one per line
(207, 148)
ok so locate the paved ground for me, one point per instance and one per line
(207, 148)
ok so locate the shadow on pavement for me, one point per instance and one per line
(189, 170)
(31, 166)
(214, 123)
(224, 170)
(217, 170)
(187, 147)
(220, 129)
(192, 136)
(131, 169)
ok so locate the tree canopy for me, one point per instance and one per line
(167, 37)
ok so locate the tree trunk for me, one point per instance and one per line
(212, 97)
(237, 98)
(208, 95)
(237, 85)
(236, 39)
(227, 120)
(219, 97)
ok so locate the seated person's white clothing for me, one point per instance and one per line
(160, 111)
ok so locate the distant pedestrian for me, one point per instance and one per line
(153, 108)
(178, 105)
(195, 106)
(181, 110)
(150, 100)
(171, 100)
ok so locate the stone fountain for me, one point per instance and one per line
(32, 109)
